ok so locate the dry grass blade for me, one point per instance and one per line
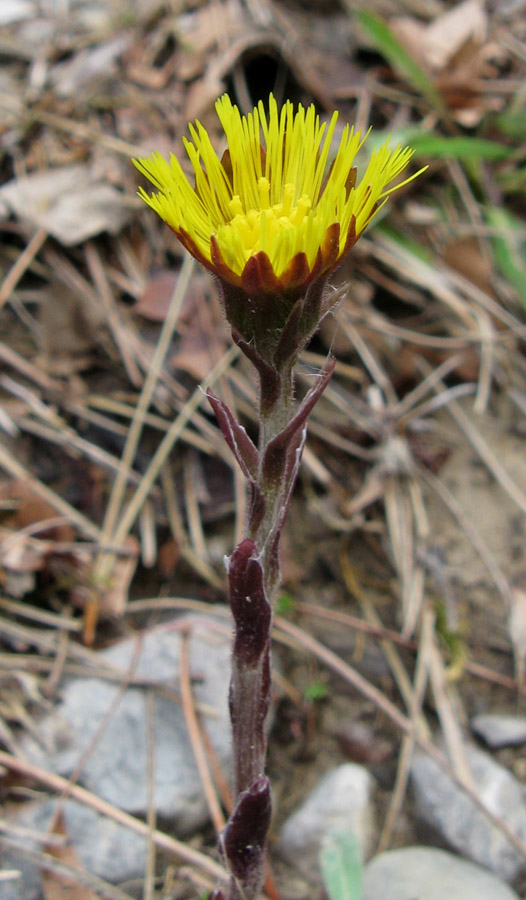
(163, 841)
(182, 543)
(11, 105)
(193, 493)
(467, 525)
(517, 632)
(389, 651)
(56, 430)
(82, 885)
(492, 463)
(22, 264)
(299, 638)
(417, 719)
(487, 361)
(378, 374)
(115, 503)
(102, 285)
(451, 729)
(63, 623)
(10, 464)
(399, 520)
(166, 446)
(100, 358)
(194, 733)
(149, 875)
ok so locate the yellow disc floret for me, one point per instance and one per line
(273, 192)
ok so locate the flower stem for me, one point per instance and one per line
(253, 576)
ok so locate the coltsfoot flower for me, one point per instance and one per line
(273, 217)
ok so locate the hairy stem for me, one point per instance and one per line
(253, 576)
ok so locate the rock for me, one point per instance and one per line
(104, 847)
(500, 731)
(425, 873)
(453, 816)
(116, 759)
(342, 800)
(11, 885)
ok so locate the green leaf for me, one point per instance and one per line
(341, 866)
(437, 146)
(389, 46)
(464, 148)
(513, 124)
(509, 247)
(285, 604)
(316, 691)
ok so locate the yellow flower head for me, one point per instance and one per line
(271, 216)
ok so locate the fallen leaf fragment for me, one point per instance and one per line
(456, 52)
(435, 45)
(88, 66)
(30, 509)
(68, 203)
(57, 887)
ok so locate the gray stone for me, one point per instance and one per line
(500, 731)
(11, 885)
(342, 800)
(425, 873)
(107, 727)
(453, 816)
(105, 848)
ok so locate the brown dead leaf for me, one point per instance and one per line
(70, 327)
(198, 354)
(155, 299)
(68, 203)
(434, 45)
(201, 339)
(34, 539)
(455, 51)
(57, 887)
(31, 509)
(169, 554)
(87, 66)
(212, 24)
(464, 256)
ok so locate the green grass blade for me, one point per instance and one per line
(388, 45)
(509, 247)
(428, 145)
(341, 866)
(462, 148)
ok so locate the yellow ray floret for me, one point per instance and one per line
(273, 193)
